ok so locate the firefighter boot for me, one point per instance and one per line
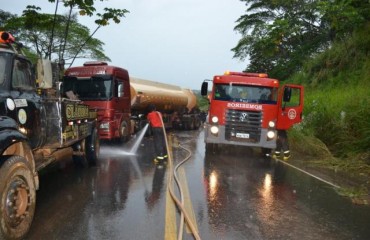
(276, 155)
(286, 155)
(158, 159)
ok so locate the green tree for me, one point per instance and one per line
(279, 36)
(34, 30)
(4, 16)
(58, 37)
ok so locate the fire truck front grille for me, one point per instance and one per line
(243, 126)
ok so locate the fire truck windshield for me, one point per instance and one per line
(245, 93)
(5, 67)
(95, 88)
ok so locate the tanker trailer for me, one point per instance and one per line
(177, 105)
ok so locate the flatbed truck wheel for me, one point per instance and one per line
(18, 197)
(93, 147)
(79, 154)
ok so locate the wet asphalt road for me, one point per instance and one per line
(234, 194)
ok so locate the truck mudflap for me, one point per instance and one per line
(242, 140)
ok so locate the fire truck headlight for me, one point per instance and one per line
(271, 124)
(214, 119)
(270, 134)
(104, 126)
(214, 130)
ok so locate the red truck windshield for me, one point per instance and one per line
(245, 93)
(89, 88)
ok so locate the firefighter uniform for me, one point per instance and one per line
(155, 120)
(282, 146)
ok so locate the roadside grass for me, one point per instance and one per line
(314, 153)
(335, 131)
(339, 117)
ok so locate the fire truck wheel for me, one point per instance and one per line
(18, 198)
(93, 147)
(123, 132)
(265, 152)
(212, 148)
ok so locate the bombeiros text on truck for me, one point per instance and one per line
(38, 126)
(251, 109)
(122, 101)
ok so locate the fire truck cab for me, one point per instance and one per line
(250, 109)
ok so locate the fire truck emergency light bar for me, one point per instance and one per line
(260, 75)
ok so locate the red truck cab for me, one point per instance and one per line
(250, 109)
(106, 88)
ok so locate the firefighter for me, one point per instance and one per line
(243, 94)
(155, 119)
(282, 146)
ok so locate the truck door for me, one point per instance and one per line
(290, 106)
(124, 110)
(123, 95)
(28, 105)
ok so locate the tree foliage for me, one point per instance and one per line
(279, 36)
(61, 37)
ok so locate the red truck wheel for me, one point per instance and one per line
(123, 132)
(18, 198)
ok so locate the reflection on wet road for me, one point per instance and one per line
(235, 194)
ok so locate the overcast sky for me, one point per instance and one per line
(179, 42)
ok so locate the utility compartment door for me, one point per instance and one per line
(290, 106)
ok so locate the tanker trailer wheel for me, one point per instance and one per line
(123, 132)
(198, 123)
(18, 197)
(92, 147)
(192, 124)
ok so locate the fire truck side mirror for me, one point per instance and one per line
(287, 94)
(204, 89)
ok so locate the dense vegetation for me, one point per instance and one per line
(325, 46)
(337, 100)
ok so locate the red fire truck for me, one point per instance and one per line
(250, 109)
